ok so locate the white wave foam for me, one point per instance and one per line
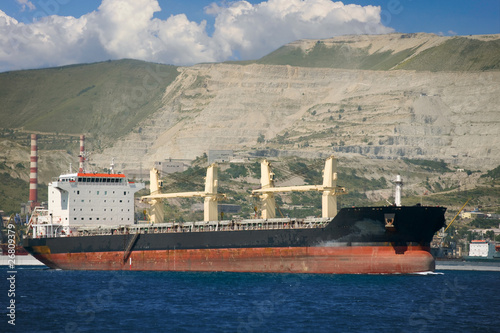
(429, 273)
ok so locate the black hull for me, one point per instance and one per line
(351, 227)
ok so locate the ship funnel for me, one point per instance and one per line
(33, 196)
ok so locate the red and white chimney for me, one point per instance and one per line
(82, 152)
(33, 198)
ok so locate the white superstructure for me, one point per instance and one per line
(481, 248)
(86, 199)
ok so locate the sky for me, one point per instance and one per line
(49, 33)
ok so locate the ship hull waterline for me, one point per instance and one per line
(367, 240)
(326, 260)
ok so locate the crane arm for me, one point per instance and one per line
(456, 215)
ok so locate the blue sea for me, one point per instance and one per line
(103, 301)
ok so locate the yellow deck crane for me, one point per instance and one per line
(329, 188)
(210, 194)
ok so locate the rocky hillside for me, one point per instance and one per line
(452, 116)
(422, 52)
(413, 96)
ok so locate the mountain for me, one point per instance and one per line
(421, 52)
(104, 99)
(385, 97)
(265, 106)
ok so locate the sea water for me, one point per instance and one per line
(126, 301)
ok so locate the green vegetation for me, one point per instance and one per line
(433, 166)
(10, 196)
(481, 196)
(311, 173)
(47, 141)
(457, 54)
(234, 171)
(494, 175)
(336, 56)
(189, 180)
(105, 99)
(485, 223)
(254, 169)
(14, 191)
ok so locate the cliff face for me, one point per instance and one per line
(453, 116)
(382, 96)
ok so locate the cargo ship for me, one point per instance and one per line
(88, 226)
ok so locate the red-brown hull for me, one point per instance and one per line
(329, 260)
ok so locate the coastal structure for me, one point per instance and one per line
(482, 249)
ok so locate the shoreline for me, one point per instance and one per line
(464, 265)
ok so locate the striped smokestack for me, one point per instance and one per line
(82, 152)
(33, 198)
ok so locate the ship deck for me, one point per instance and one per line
(201, 226)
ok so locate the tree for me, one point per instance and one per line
(490, 234)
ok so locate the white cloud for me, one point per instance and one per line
(254, 30)
(127, 29)
(26, 3)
